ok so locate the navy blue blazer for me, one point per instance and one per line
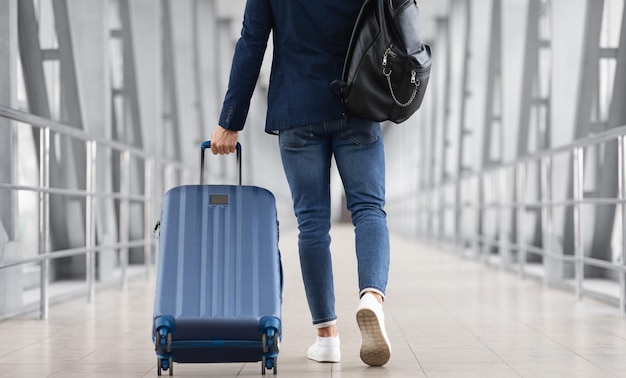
(310, 42)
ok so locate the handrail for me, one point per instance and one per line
(148, 198)
(490, 191)
(70, 252)
(57, 127)
(589, 140)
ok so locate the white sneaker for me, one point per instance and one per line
(325, 349)
(375, 346)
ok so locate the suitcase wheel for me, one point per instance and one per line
(163, 336)
(271, 341)
(165, 364)
(269, 363)
(271, 346)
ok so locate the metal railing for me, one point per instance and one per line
(149, 199)
(502, 191)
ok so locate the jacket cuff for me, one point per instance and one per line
(230, 119)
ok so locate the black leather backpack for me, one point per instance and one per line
(387, 66)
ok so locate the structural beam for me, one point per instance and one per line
(534, 113)
(67, 166)
(493, 130)
(536, 76)
(171, 122)
(591, 118)
(8, 160)
(89, 21)
(464, 128)
(10, 279)
(128, 128)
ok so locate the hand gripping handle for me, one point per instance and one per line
(207, 144)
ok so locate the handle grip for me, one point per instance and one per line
(207, 144)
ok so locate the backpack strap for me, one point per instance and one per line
(337, 87)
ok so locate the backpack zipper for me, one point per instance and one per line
(388, 52)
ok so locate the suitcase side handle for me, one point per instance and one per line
(207, 144)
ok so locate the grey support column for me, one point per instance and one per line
(67, 168)
(439, 91)
(8, 160)
(534, 111)
(208, 56)
(493, 143)
(10, 279)
(129, 125)
(493, 133)
(171, 120)
(88, 23)
(616, 118)
(184, 54)
(226, 47)
(147, 35)
(535, 97)
(464, 126)
(591, 116)
(443, 27)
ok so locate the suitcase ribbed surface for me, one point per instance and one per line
(219, 267)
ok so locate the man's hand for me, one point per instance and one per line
(223, 141)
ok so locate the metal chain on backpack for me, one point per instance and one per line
(393, 95)
(387, 73)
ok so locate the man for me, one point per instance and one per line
(310, 42)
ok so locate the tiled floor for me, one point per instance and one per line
(446, 317)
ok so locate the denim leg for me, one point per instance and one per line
(306, 156)
(359, 153)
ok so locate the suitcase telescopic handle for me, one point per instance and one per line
(207, 144)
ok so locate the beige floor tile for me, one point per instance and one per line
(453, 355)
(473, 374)
(30, 370)
(446, 316)
(492, 367)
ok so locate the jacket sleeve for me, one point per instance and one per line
(244, 73)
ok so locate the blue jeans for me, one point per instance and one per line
(359, 153)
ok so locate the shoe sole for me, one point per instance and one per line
(320, 358)
(375, 350)
(325, 360)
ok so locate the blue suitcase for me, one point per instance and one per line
(219, 276)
